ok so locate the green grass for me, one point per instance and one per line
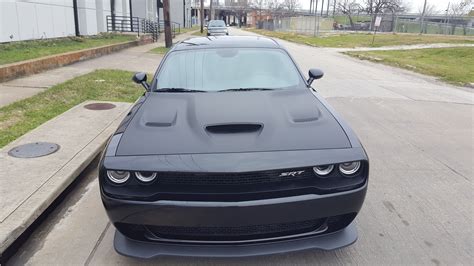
(20, 117)
(454, 65)
(198, 33)
(193, 28)
(364, 40)
(24, 50)
(159, 50)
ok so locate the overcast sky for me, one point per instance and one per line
(415, 5)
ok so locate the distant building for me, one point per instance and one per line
(40, 19)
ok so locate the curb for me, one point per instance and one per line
(34, 66)
(65, 170)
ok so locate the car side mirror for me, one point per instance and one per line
(314, 74)
(140, 78)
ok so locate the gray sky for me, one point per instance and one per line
(415, 5)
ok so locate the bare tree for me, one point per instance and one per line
(376, 7)
(291, 5)
(348, 8)
(258, 5)
(458, 9)
(429, 10)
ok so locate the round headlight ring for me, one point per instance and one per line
(145, 177)
(118, 177)
(349, 168)
(323, 170)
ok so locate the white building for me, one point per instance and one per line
(38, 19)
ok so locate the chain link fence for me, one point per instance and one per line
(310, 25)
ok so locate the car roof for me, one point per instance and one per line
(226, 42)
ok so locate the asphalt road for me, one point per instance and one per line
(418, 133)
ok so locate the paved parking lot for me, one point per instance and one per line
(418, 133)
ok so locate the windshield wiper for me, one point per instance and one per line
(247, 89)
(177, 90)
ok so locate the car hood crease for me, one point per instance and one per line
(251, 121)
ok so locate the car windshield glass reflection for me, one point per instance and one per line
(229, 69)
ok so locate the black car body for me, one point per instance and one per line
(233, 172)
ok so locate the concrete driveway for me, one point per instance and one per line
(418, 133)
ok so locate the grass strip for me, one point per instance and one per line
(22, 116)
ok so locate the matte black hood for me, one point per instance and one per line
(223, 122)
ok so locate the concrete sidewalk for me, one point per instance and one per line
(29, 185)
(132, 59)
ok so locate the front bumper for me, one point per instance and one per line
(217, 33)
(145, 250)
(133, 219)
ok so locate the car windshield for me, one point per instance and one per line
(228, 69)
(216, 23)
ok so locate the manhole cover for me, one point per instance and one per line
(33, 150)
(99, 106)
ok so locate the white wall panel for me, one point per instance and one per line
(91, 20)
(27, 22)
(44, 21)
(8, 22)
(34, 19)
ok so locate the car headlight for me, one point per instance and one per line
(118, 177)
(145, 176)
(349, 168)
(323, 170)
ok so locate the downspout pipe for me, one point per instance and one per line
(76, 17)
(112, 12)
(131, 14)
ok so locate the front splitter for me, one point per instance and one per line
(147, 250)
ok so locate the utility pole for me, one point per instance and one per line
(202, 16)
(422, 17)
(446, 20)
(322, 8)
(166, 17)
(211, 17)
(327, 9)
(316, 19)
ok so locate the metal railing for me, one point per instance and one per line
(135, 24)
(175, 27)
(123, 24)
(152, 27)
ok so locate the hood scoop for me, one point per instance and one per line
(235, 128)
(164, 119)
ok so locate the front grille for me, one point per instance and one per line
(248, 178)
(248, 232)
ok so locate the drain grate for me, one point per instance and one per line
(99, 106)
(33, 150)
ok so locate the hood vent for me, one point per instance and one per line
(234, 128)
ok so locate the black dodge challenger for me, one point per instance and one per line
(231, 152)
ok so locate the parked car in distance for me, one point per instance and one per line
(231, 152)
(216, 28)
